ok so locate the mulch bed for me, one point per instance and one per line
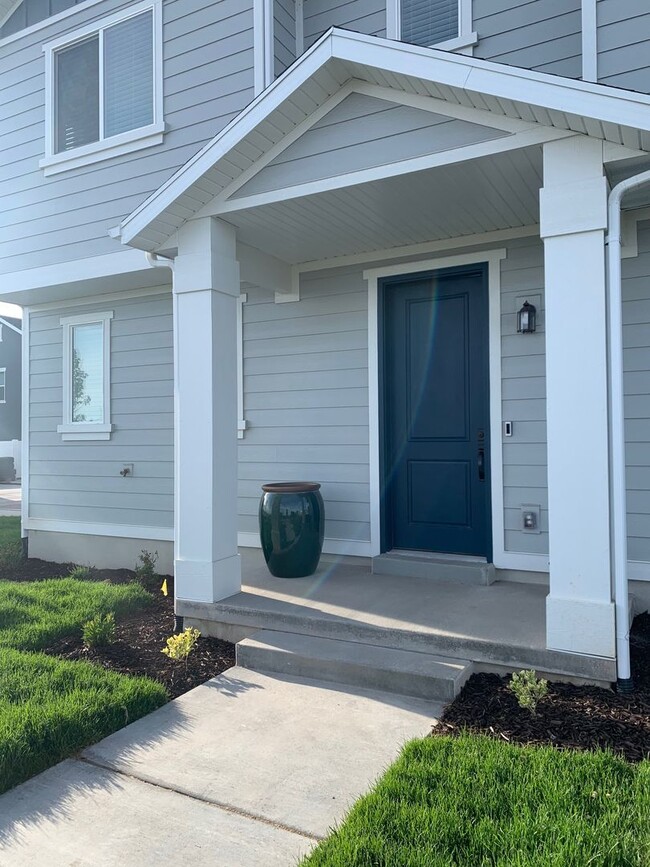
(570, 717)
(140, 637)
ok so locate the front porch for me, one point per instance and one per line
(501, 626)
(365, 163)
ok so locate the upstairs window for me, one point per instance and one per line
(3, 384)
(445, 24)
(103, 89)
(428, 22)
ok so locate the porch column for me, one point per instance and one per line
(573, 206)
(206, 288)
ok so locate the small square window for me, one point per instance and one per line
(428, 22)
(104, 89)
(86, 377)
(3, 384)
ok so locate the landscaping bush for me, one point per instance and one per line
(100, 631)
(81, 573)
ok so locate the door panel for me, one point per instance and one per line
(436, 474)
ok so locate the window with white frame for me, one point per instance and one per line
(104, 87)
(439, 23)
(86, 377)
(3, 384)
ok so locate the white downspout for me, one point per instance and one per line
(617, 429)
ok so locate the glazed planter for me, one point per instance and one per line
(292, 525)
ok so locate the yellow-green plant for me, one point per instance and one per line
(529, 689)
(99, 631)
(178, 647)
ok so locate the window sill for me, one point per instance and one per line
(116, 146)
(466, 40)
(84, 432)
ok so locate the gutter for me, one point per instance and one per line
(618, 491)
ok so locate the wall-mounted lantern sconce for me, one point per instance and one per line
(527, 319)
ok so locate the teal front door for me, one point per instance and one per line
(436, 410)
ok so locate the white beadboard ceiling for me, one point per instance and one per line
(430, 201)
(497, 192)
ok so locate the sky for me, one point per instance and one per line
(12, 310)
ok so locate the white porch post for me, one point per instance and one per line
(206, 289)
(579, 608)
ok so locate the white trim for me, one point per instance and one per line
(350, 547)
(3, 321)
(589, 41)
(25, 396)
(514, 141)
(100, 299)
(277, 149)
(119, 531)
(427, 247)
(241, 421)
(131, 140)
(300, 27)
(104, 149)
(46, 22)
(501, 558)
(263, 54)
(394, 25)
(69, 429)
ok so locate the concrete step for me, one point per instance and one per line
(439, 567)
(405, 672)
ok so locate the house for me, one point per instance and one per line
(10, 397)
(263, 239)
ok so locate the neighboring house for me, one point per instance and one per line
(300, 233)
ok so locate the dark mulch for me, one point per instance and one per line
(140, 637)
(570, 717)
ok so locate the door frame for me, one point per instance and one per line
(492, 259)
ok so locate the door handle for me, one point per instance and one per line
(481, 464)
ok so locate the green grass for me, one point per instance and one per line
(473, 802)
(50, 709)
(11, 549)
(32, 615)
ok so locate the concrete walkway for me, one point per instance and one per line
(10, 499)
(248, 770)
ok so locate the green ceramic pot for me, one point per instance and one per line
(292, 524)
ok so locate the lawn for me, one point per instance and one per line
(471, 801)
(51, 708)
(32, 615)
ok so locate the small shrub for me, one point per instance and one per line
(81, 573)
(180, 646)
(100, 631)
(146, 568)
(528, 689)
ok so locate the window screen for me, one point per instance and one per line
(128, 75)
(77, 94)
(427, 22)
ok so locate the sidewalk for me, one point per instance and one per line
(10, 499)
(248, 770)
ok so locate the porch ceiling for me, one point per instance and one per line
(492, 91)
(496, 192)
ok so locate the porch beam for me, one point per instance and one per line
(573, 212)
(206, 290)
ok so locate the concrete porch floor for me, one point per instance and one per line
(500, 625)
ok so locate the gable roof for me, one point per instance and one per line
(340, 57)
